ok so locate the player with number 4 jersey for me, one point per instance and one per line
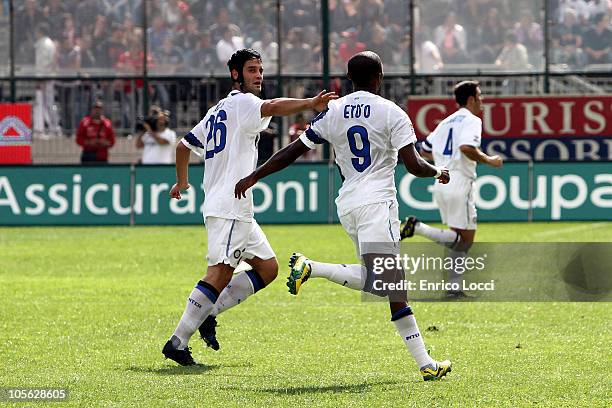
(366, 132)
(455, 144)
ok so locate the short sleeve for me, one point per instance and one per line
(401, 129)
(471, 133)
(249, 111)
(314, 135)
(196, 139)
(427, 143)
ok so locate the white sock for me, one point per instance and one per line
(345, 275)
(441, 236)
(407, 328)
(199, 305)
(237, 291)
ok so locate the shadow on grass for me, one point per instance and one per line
(184, 370)
(175, 370)
(319, 389)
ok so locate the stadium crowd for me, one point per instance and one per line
(197, 36)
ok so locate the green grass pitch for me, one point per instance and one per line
(89, 309)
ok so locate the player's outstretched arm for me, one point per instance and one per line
(474, 153)
(182, 170)
(289, 106)
(281, 159)
(417, 166)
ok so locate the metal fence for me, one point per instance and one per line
(61, 55)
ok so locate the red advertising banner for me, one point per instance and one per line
(15, 133)
(523, 117)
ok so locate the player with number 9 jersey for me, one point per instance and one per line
(366, 132)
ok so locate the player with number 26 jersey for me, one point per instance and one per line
(366, 132)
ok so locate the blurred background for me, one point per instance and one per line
(63, 55)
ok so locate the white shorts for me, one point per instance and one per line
(232, 241)
(374, 228)
(455, 201)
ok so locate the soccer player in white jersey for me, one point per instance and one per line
(455, 144)
(366, 132)
(227, 137)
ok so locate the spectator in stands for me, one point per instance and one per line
(379, 44)
(174, 12)
(297, 52)
(157, 33)
(371, 12)
(492, 37)
(45, 61)
(115, 9)
(268, 49)
(55, 14)
(597, 41)
(89, 58)
(218, 30)
(188, 38)
(579, 6)
(428, 58)
(115, 47)
(229, 44)
(513, 56)
(529, 33)
(596, 7)
(95, 135)
(450, 40)
(349, 46)
(204, 59)
(343, 14)
(69, 56)
(27, 15)
(86, 12)
(567, 41)
(158, 143)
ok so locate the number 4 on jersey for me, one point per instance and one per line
(448, 149)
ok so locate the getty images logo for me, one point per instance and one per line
(193, 302)
(413, 336)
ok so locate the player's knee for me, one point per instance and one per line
(272, 270)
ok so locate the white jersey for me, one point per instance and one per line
(227, 137)
(366, 131)
(460, 128)
(155, 153)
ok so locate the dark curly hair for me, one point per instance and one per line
(238, 59)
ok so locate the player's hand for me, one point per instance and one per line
(243, 185)
(175, 192)
(496, 161)
(319, 102)
(444, 177)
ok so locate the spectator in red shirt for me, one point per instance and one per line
(350, 46)
(95, 135)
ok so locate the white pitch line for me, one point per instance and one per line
(583, 227)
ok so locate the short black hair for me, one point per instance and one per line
(43, 28)
(364, 68)
(463, 91)
(239, 58)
